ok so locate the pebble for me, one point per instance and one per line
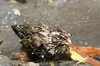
(32, 64)
(29, 64)
(5, 61)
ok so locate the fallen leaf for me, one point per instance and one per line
(90, 51)
(76, 56)
(85, 54)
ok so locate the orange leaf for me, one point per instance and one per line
(90, 60)
(90, 51)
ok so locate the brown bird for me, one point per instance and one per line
(54, 44)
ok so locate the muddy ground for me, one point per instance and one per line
(79, 17)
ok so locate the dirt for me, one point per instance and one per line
(79, 17)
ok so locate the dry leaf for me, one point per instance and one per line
(90, 51)
(76, 56)
(85, 54)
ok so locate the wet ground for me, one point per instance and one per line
(79, 17)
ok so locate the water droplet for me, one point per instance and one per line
(32, 53)
(5, 29)
(71, 2)
(42, 56)
(6, 26)
(11, 18)
(89, 10)
(45, 12)
(9, 13)
(6, 17)
(82, 7)
(96, 9)
(73, 13)
(65, 1)
(24, 20)
(3, 22)
(81, 42)
(86, 43)
(87, 17)
(16, 12)
(15, 22)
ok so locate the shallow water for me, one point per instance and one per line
(79, 17)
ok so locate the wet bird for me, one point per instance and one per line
(53, 44)
(50, 40)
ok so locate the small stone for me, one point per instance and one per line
(5, 61)
(32, 64)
